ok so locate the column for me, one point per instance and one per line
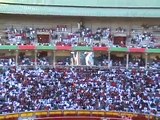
(54, 59)
(35, 58)
(78, 58)
(17, 52)
(146, 60)
(109, 59)
(127, 60)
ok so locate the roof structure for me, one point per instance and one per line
(97, 8)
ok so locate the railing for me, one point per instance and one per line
(78, 113)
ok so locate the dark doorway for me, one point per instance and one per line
(43, 38)
(120, 41)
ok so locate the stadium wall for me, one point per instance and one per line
(20, 21)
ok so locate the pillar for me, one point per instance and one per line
(146, 60)
(17, 52)
(54, 59)
(78, 58)
(35, 58)
(109, 59)
(127, 60)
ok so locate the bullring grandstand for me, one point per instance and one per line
(79, 60)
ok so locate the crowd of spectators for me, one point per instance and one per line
(154, 63)
(25, 60)
(136, 62)
(101, 61)
(21, 36)
(114, 61)
(76, 88)
(7, 62)
(143, 40)
(84, 36)
(43, 61)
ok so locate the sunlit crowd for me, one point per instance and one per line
(79, 88)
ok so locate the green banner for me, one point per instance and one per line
(116, 49)
(153, 50)
(41, 47)
(8, 47)
(82, 48)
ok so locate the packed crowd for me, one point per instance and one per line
(21, 36)
(84, 36)
(144, 40)
(100, 61)
(154, 63)
(7, 62)
(75, 88)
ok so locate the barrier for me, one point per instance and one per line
(57, 114)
